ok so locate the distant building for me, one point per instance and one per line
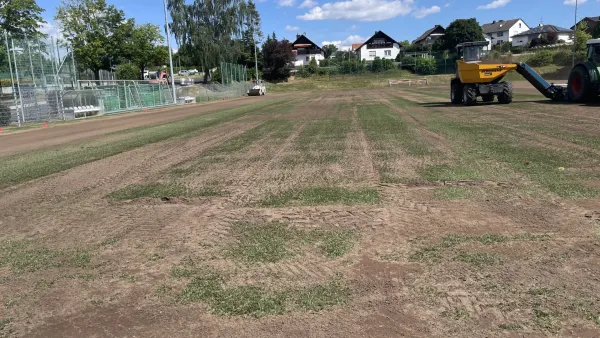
(304, 50)
(428, 38)
(503, 30)
(379, 45)
(591, 22)
(543, 33)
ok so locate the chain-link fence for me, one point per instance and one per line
(231, 73)
(41, 82)
(214, 91)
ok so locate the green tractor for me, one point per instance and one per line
(584, 80)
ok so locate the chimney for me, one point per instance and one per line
(493, 22)
(297, 36)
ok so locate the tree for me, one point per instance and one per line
(329, 50)
(404, 44)
(277, 57)
(128, 71)
(581, 37)
(205, 30)
(19, 17)
(312, 66)
(95, 30)
(461, 30)
(596, 32)
(144, 48)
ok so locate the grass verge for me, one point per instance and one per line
(24, 256)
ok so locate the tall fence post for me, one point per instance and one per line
(18, 84)
(12, 81)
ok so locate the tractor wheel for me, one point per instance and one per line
(469, 95)
(579, 88)
(487, 98)
(456, 92)
(507, 93)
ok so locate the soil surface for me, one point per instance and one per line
(484, 249)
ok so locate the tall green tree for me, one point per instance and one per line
(461, 30)
(95, 31)
(19, 17)
(329, 50)
(277, 58)
(145, 47)
(206, 29)
(581, 37)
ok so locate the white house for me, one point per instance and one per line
(543, 33)
(503, 30)
(379, 45)
(305, 50)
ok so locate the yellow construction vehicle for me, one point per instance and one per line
(476, 79)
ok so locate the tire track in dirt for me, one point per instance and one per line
(366, 159)
(77, 184)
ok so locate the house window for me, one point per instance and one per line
(307, 58)
(500, 33)
(372, 53)
(388, 53)
(519, 25)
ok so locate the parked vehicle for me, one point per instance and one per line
(184, 73)
(193, 71)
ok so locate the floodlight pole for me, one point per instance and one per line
(170, 54)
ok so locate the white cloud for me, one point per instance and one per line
(572, 2)
(345, 44)
(292, 28)
(355, 27)
(308, 4)
(286, 3)
(50, 29)
(423, 12)
(360, 10)
(495, 4)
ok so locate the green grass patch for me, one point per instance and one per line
(452, 193)
(322, 196)
(478, 259)
(273, 242)
(24, 256)
(451, 173)
(587, 308)
(161, 190)
(319, 297)
(209, 286)
(456, 313)
(15, 169)
(510, 326)
(545, 319)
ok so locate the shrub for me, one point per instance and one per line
(4, 115)
(128, 72)
(563, 58)
(426, 66)
(312, 66)
(377, 65)
(517, 50)
(408, 62)
(324, 63)
(303, 72)
(541, 58)
(388, 64)
(322, 71)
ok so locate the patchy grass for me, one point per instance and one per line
(319, 297)
(586, 308)
(478, 259)
(161, 190)
(456, 313)
(444, 172)
(15, 169)
(273, 242)
(27, 256)
(392, 139)
(5, 327)
(322, 196)
(545, 319)
(209, 286)
(433, 253)
(452, 193)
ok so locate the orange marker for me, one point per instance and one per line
(45, 124)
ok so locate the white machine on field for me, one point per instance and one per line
(258, 88)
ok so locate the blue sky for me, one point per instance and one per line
(344, 22)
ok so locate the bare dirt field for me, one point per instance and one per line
(371, 213)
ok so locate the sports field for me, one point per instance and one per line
(352, 213)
